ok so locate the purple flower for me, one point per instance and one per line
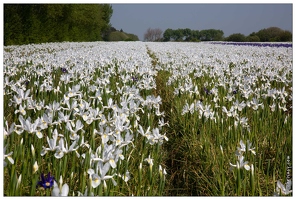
(257, 44)
(135, 79)
(64, 70)
(46, 182)
(207, 91)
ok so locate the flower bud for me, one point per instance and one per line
(35, 167)
(33, 150)
(19, 182)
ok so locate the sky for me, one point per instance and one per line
(231, 18)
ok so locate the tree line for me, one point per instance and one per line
(183, 35)
(271, 34)
(40, 23)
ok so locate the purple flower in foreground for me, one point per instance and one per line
(46, 182)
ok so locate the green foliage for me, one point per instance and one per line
(128, 39)
(236, 37)
(122, 36)
(117, 36)
(187, 33)
(178, 35)
(167, 34)
(211, 35)
(40, 23)
(132, 37)
(285, 36)
(192, 35)
(274, 34)
(194, 40)
(253, 38)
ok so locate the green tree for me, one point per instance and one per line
(187, 33)
(195, 34)
(253, 38)
(285, 36)
(177, 34)
(37, 23)
(12, 24)
(107, 13)
(271, 34)
(211, 35)
(167, 34)
(236, 37)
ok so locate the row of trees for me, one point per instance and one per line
(272, 34)
(183, 35)
(39, 23)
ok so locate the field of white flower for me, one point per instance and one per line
(147, 119)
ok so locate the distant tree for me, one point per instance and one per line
(195, 35)
(148, 36)
(263, 35)
(236, 37)
(167, 35)
(181, 35)
(253, 38)
(285, 36)
(187, 34)
(177, 35)
(157, 34)
(211, 35)
(271, 34)
(153, 34)
(274, 33)
(132, 37)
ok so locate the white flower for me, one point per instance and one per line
(241, 164)
(61, 191)
(244, 149)
(149, 160)
(51, 143)
(8, 156)
(280, 188)
(102, 169)
(126, 176)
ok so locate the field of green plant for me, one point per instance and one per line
(147, 119)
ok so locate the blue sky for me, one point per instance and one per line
(231, 18)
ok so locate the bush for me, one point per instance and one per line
(236, 37)
(117, 36)
(129, 39)
(122, 36)
(253, 38)
(194, 40)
